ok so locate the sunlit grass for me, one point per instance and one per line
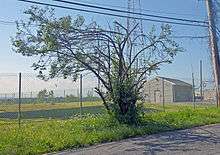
(55, 135)
(177, 106)
(46, 106)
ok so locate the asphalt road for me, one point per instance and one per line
(196, 141)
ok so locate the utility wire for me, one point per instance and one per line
(129, 12)
(6, 22)
(190, 37)
(218, 31)
(112, 14)
(144, 10)
(178, 37)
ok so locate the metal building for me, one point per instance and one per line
(168, 90)
(209, 95)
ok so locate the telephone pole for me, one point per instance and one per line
(214, 48)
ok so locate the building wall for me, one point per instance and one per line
(168, 92)
(182, 93)
(153, 91)
(209, 95)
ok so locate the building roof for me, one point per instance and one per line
(176, 82)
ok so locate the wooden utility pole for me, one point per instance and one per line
(214, 49)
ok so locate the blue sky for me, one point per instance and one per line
(195, 50)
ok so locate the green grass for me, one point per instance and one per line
(53, 113)
(45, 106)
(49, 111)
(177, 106)
(55, 135)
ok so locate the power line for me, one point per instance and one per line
(144, 10)
(6, 22)
(190, 37)
(112, 14)
(178, 37)
(218, 31)
(129, 12)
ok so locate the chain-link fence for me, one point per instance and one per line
(62, 99)
(45, 100)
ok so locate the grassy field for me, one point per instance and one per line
(45, 106)
(69, 110)
(49, 111)
(169, 107)
(52, 106)
(55, 135)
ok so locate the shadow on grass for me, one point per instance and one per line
(54, 113)
(59, 113)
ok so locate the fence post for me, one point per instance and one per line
(19, 100)
(163, 97)
(64, 94)
(81, 95)
(193, 93)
